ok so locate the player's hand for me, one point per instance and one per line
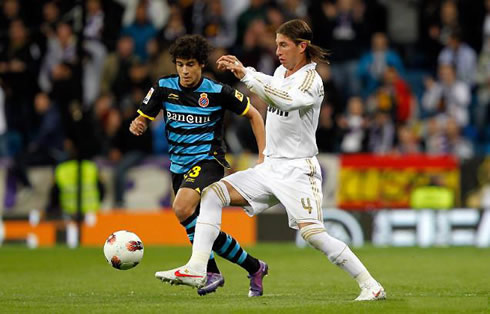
(231, 63)
(138, 126)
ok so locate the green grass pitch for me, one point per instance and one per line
(60, 280)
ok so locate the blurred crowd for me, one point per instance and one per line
(405, 76)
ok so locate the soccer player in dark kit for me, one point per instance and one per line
(193, 108)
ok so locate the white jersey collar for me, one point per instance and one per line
(306, 67)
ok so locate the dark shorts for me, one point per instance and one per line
(199, 176)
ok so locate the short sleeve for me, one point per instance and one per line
(152, 103)
(234, 100)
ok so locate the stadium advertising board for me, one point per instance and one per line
(408, 227)
(154, 227)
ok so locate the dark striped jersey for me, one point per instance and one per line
(193, 118)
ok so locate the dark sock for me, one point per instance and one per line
(212, 266)
(190, 226)
(229, 248)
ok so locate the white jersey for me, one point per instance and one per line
(293, 112)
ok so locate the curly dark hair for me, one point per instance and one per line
(191, 47)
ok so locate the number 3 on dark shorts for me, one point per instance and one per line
(193, 173)
(203, 174)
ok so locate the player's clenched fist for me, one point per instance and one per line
(138, 126)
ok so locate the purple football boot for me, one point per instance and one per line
(256, 288)
(213, 281)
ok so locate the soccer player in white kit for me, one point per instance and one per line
(290, 174)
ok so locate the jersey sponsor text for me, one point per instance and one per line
(277, 111)
(188, 118)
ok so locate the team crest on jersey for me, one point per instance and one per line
(204, 100)
(148, 96)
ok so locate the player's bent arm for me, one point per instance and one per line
(139, 125)
(257, 124)
(284, 100)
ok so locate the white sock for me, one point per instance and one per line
(336, 251)
(365, 279)
(208, 225)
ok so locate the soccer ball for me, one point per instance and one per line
(123, 250)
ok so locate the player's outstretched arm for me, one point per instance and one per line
(231, 63)
(259, 83)
(286, 100)
(257, 124)
(138, 125)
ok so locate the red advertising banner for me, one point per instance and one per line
(374, 181)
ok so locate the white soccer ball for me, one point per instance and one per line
(123, 250)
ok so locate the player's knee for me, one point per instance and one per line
(215, 195)
(316, 235)
(182, 210)
(213, 199)
(206, 191)
(308, 231)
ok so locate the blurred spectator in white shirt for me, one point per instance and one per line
(483, 83)
(353, 126)
(486, 22)
(94, 21)
(461, 56)
(61, 52)
(435, 141)
(381, 133)
(444, 138)
(448, 97)
(403, 25)
(294, 9)
(157, 11)
(483, 74)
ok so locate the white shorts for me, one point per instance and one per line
(295, 183)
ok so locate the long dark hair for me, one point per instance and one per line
(299, 31)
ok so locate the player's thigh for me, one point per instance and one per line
(236, 199)
(300, 191)
(177, 179)
(193, 183)
(253, 186)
